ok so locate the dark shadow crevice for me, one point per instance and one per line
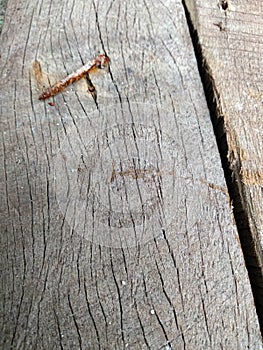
(247, 231)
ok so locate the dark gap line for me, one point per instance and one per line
(247, 233)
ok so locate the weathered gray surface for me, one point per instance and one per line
(2, 11)
(116, 227)
(230, 35)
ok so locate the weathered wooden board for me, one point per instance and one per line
(230, 35)
(2, 12)
(116, 228)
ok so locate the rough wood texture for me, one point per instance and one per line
(230, 38)
(116, 228)
(2, 12)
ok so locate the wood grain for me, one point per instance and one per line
(230, 39)
(116, 228)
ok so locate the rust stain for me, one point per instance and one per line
(237, 155)
(136, 173)
(38, 74)
(144, 174)
(251, 177)
(215, 187)
(255, 95)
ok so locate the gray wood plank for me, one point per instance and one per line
(116, 228)
(230, 36)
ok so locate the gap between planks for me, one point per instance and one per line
(250, 244)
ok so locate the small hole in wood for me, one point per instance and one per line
(220, 26)
(224, 5)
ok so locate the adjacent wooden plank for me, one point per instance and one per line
(116, 228)
(230, 34)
